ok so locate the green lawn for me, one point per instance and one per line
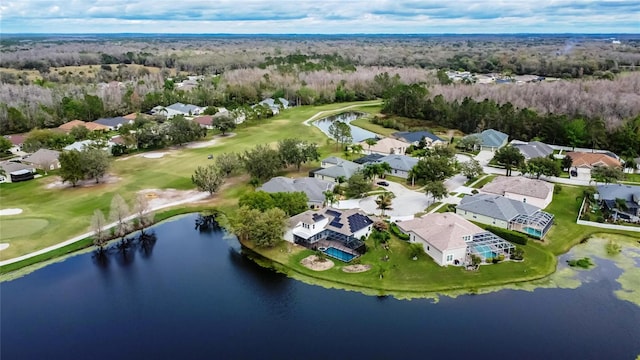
(378, 129)
(484, 181)
(404, 277)
(68, 211)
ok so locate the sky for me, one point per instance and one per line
(319, 17)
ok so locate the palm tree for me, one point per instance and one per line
(383, 168)
(384, 201)
(329, 198)
(356, 149)
(371, 142)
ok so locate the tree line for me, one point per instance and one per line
(470, 116)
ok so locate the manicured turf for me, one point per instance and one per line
(69, 210)
(13, 228)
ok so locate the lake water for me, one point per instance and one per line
(193, 295)
(358, 134)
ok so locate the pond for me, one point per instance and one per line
(358, 134)
(191, 294)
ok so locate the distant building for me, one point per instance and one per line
(583, 163)
(491, 140)
(314, 188)
(414, 138)
(386, 146)
(533, 149)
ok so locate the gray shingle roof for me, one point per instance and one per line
(496, 206)
(534, 149)
(415, 136)
(618, 191)
(183, 108)
(345, 168)
(313, 187)
(10, 166)
(399, 162)
(519, 185)
(43, 157)
(112, 122)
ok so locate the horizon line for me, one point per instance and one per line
(324, 34)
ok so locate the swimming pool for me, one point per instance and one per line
(485, 252)
(339, 254)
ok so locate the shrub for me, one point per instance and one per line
(509, 235)
(557, 188)
(518, 254)
(474, 191)
(584, 263)
(613, 248)
(394, 229)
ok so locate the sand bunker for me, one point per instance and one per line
(160, 197)
(204, 144)
(3, 246)
(356, 268)
(316, 264)
(58, 184)
(10, 212)
(155, 155)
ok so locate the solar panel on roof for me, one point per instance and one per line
(333, 213)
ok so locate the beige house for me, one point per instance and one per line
(444, 236)
(535, 192)
(386, 146)
(44, 159)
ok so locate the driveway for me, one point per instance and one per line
(406, 203)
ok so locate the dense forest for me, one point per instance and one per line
(46, 82)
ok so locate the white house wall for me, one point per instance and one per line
(482, 219)
(535, 201)
(362, 232)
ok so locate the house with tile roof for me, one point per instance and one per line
(66, 127)
(449, 239)
(314, 188)
(499, 211)
(584, 162)
(341, 229)
(491, 140)
(16, 140)
(414, 138)
(400, 165)
(531, 191)
(532, 149)
(386, 146)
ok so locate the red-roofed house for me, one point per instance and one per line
(205, 121)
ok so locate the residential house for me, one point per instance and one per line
(371, 158)
(491, 140)
(275, 105)
(343, 169)
(584, 162)
(15, 171)
(66, 127)
(314, 188)
(535, 192)
(414, 138)
(386, 146)
(622, 201)
(81, 145)
(177, 109)
(113, 123)
(344, 230)
(44, 159)
(532, 149)
(442, 235)
(449, 239)
(16, 140)
(331, 161)
(205, 121)
(505, 213)
(132, 116)
(400, 165)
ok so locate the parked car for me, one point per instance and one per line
(382, 183)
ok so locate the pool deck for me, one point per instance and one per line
(338, 245)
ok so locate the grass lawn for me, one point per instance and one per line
(378, 129)
(565, 232)
(404, 277)
(484, 181)
(68, 211)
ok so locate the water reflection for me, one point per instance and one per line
(124, 251)
(358, 134)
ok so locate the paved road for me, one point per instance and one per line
(406, 203)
